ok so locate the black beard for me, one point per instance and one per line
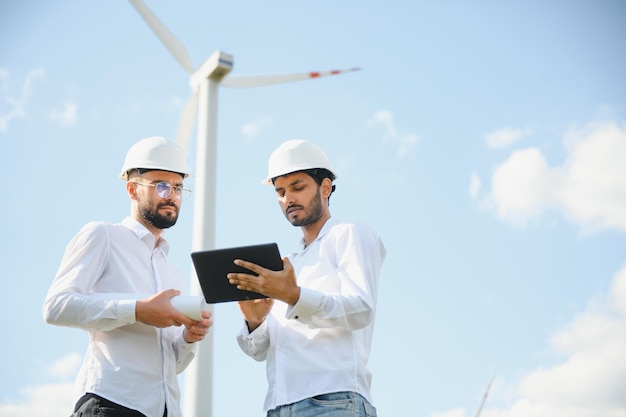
(157, 220)
(315, 212)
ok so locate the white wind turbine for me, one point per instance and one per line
(203, 102)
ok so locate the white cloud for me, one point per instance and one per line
(14, 106)
(66, 116)
(589, 188)
(618, 292)
(591, 378)
(390, 134)
(505, 137)
(49, 399)
(252, 129)
(522, 186)
(385, 117)
(65, 368)
(406, 143)
(594, 187)
(474, 187)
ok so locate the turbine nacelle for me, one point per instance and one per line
(215, 68)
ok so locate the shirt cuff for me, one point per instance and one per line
(126, 311)
(306, 307)
(185, 352)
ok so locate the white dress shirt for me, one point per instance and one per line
(322, 344)
(127, 362)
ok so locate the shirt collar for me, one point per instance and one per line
(145, 235)
(330, 223)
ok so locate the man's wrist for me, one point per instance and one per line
(253, 325)
(294, 298)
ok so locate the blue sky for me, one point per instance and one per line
(485, 141)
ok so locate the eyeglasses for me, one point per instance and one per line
(163, 189)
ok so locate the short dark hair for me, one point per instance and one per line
(319, 174)
(140, 171)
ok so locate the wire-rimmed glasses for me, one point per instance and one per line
(163, 189)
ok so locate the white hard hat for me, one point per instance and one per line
(296, 155)
(155, 153)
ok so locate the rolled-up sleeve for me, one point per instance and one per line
(255, 344)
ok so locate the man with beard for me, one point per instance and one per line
(115, 282)
(315, 329)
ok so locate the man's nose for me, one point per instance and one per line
(288, 198)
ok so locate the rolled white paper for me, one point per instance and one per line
(189, 305)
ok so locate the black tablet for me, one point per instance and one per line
(212, 266)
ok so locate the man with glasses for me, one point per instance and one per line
(137, 343)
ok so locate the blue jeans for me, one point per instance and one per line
(336, 404)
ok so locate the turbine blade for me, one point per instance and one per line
(187, 120)
(482, 403)
(263, 80)
(173, 45)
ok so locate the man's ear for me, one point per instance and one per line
(131, 189)
(327, 187)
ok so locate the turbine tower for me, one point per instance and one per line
(198, 396)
